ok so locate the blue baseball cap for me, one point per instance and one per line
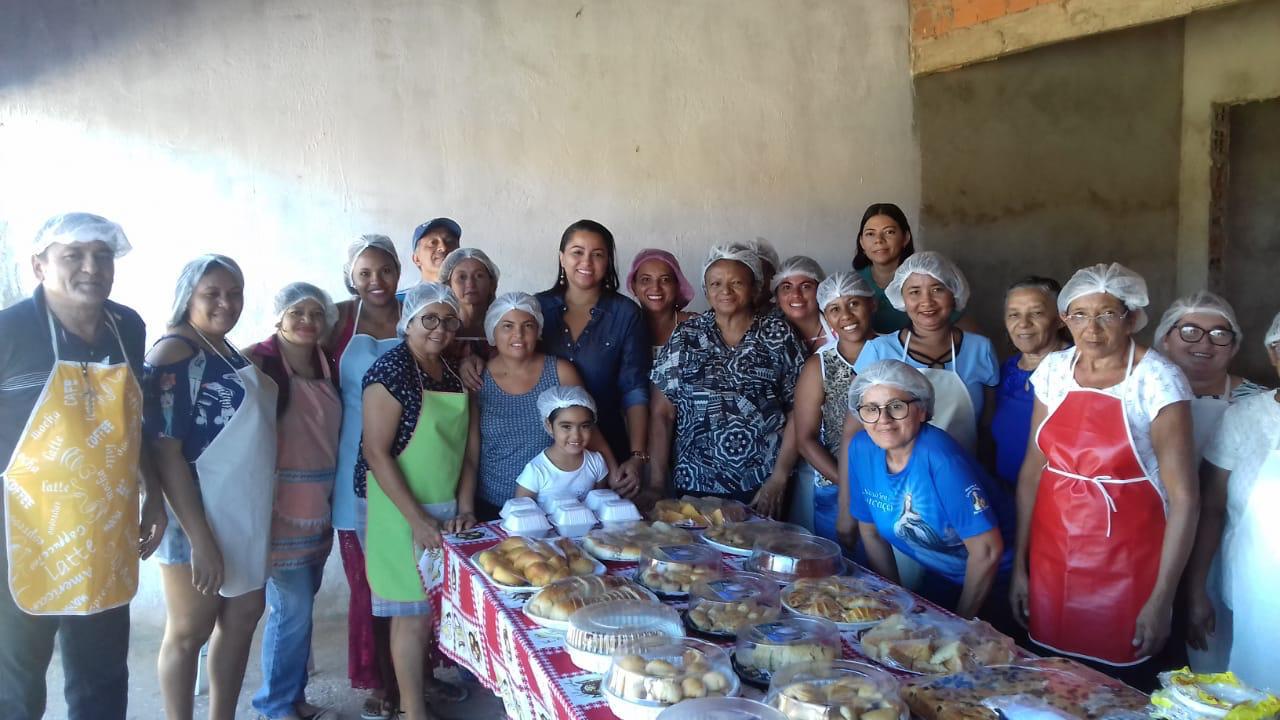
(450, 226)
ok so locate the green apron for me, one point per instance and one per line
(431, 463)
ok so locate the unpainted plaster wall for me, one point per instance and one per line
(276, 131)
(1051, 160)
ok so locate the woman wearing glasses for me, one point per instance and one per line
(1200, 334)
(1107, 495)
(914, 489)
(415, 476)
(1241, 494)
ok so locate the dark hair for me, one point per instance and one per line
(552, 417)
(860, 259)
(1048, 286)
(610, 283)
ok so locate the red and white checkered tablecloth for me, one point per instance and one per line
(484, 630)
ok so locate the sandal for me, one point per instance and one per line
(377, 709)
(447, 693)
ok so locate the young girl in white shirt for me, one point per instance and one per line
(567, 468)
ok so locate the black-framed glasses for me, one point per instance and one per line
(1191, 333)
(897, 409)
(431, 322)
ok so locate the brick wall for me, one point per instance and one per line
(935, 18)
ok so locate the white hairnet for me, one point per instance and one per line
(357, 248)
(842, 284)
(78, 227)
(1200, 301)
(738, 252)
(893, 373)
(564, 396)
(419, 297)
(504, 304)
(797, 265)
(1273, 332)
(765, 251)
(1115, 280)
(190, 276)
(935, 265)
(294, 293)
(455, 257)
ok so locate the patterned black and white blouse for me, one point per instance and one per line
(399, 373)
(731, 403)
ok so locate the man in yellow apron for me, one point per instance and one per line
(70, 431)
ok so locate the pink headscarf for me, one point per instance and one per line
(684, 295)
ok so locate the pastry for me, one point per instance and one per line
(725, 618)
(695, 512)
(628, 543)
(847, 698)
(946, 646)
(558, 601)
(742, 536)
(669, 680)
(1062, 684)
(844, 599)
(673, 569)
(521, 562)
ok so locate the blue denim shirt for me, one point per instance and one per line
(612, 354)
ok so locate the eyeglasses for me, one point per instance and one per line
(897, 409)
(1105, 319)
(1191, 333)
(431, 322)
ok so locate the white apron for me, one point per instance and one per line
(1254, 557)
(1206, 415)
(237, 477)
(952, 406)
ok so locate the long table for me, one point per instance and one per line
(486, 631)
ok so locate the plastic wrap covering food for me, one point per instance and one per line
(695, 512)
(627, 543)
(852, 603)
(932, 644)
(1185, 695)
(836, 690)
(553, 605)
(739, 538)
(673, 569)
(1041, 688)
(522, 563)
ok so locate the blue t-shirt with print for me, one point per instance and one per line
(926, 511)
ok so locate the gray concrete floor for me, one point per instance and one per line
(328, 686)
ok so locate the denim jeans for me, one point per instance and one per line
(286, 639)
(95, 660)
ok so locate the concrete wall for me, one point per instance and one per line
(1051, 160)
(274, 131)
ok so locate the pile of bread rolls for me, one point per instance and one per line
(559, 600)
(521, 562)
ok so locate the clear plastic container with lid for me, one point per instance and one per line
(739, 538)
(841, 689)
(721, 709)
(787, 558)
(673, 569)
(626, 543)
(640, 683)
(527, 523)
(764, 649)
(598, 632)
(722, 606)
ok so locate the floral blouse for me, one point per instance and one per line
(731, 402)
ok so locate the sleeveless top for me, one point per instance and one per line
(837, 376)
(511, 433)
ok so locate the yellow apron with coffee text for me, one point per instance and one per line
(71, 491)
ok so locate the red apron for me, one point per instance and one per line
(1097, 531)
